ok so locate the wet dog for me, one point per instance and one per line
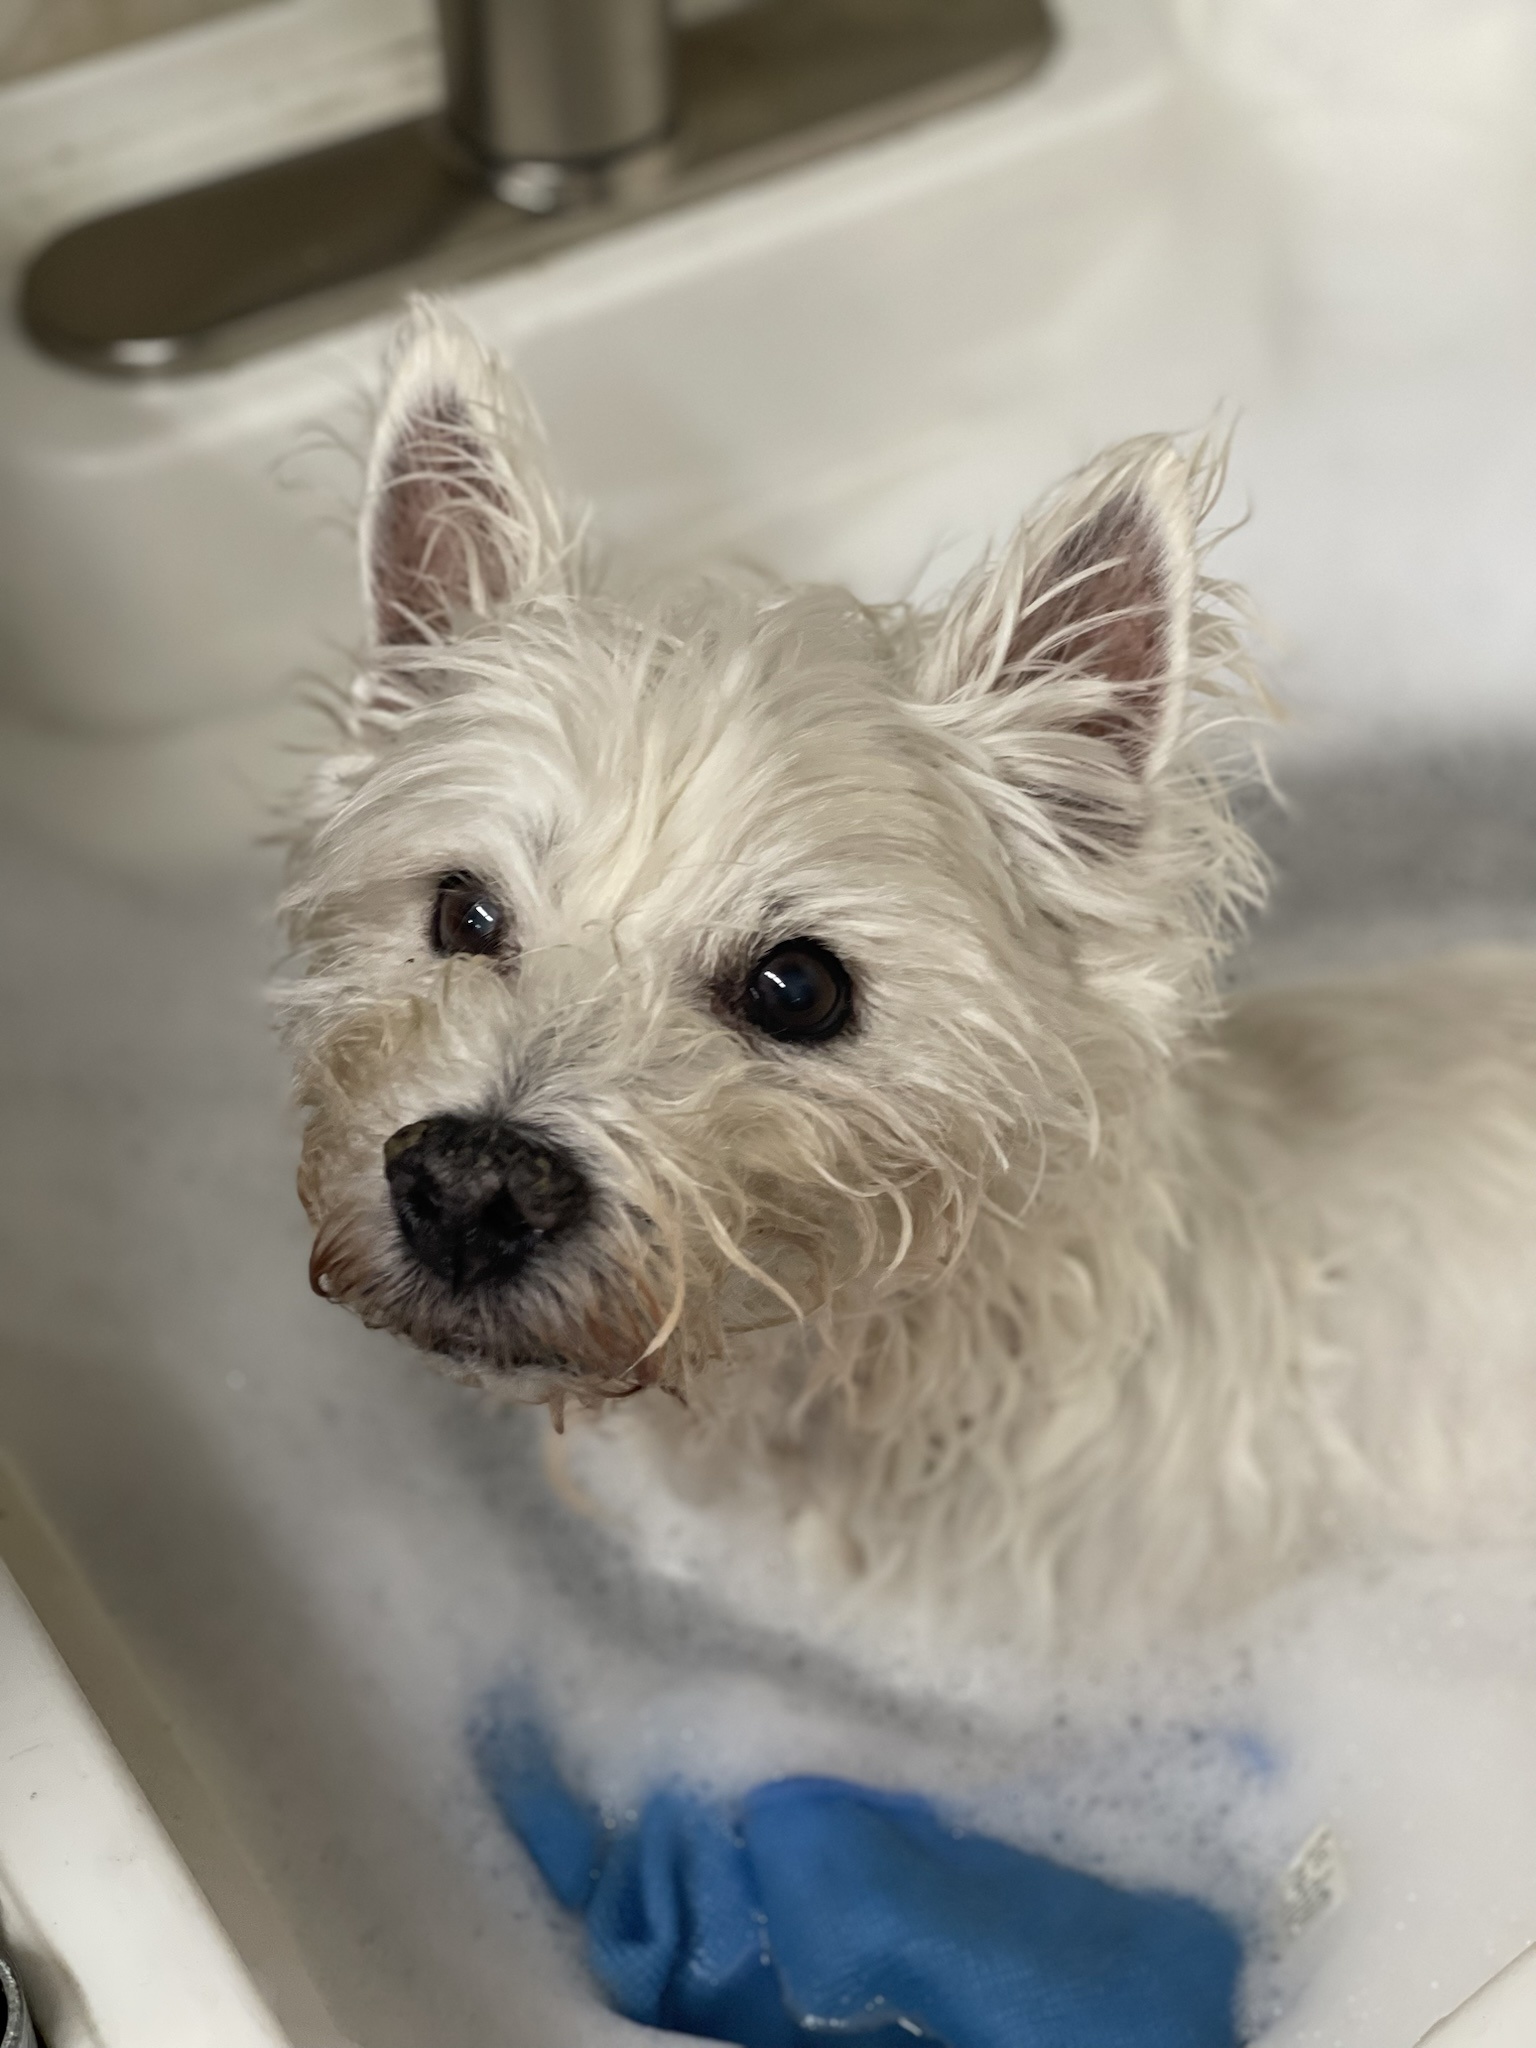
(798, 1021)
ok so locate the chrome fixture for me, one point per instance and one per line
(556, 82)
(564, 118)
(15, 2023)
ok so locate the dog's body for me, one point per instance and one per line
(808, 1011)
(1300, 1318)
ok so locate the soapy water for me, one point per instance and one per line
(1348, 1773)
(327, 1559)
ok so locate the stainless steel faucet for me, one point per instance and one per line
(563, 118)
(556, 82)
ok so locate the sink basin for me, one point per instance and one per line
(318, 1556)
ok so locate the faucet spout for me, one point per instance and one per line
(556, 82)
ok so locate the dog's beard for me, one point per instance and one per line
(636, 1299)
(584, 1322)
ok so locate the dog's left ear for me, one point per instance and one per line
(1068, 657)
(457, 518)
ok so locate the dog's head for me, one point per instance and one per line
(684, 961)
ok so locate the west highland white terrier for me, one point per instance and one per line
(801, 1016)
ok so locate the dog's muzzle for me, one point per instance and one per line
(476, 1199)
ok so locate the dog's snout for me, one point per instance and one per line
(475, 1198)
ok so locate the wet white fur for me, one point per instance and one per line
(1059, 1285)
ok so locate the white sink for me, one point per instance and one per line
(317, 1554)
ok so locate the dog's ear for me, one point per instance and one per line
(457, 519)
(1069, 656)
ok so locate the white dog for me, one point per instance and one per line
(807, 1010)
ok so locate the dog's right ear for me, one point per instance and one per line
(457, 519)
(1068, 657)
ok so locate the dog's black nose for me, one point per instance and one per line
(474, 1199)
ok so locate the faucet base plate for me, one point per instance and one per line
(214, 275)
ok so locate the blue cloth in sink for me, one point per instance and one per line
(821, 1908)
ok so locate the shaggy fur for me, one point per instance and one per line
(1052, 1278)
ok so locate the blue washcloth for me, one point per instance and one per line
(828, 1908)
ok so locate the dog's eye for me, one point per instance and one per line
(466, 918)
(798, 991)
